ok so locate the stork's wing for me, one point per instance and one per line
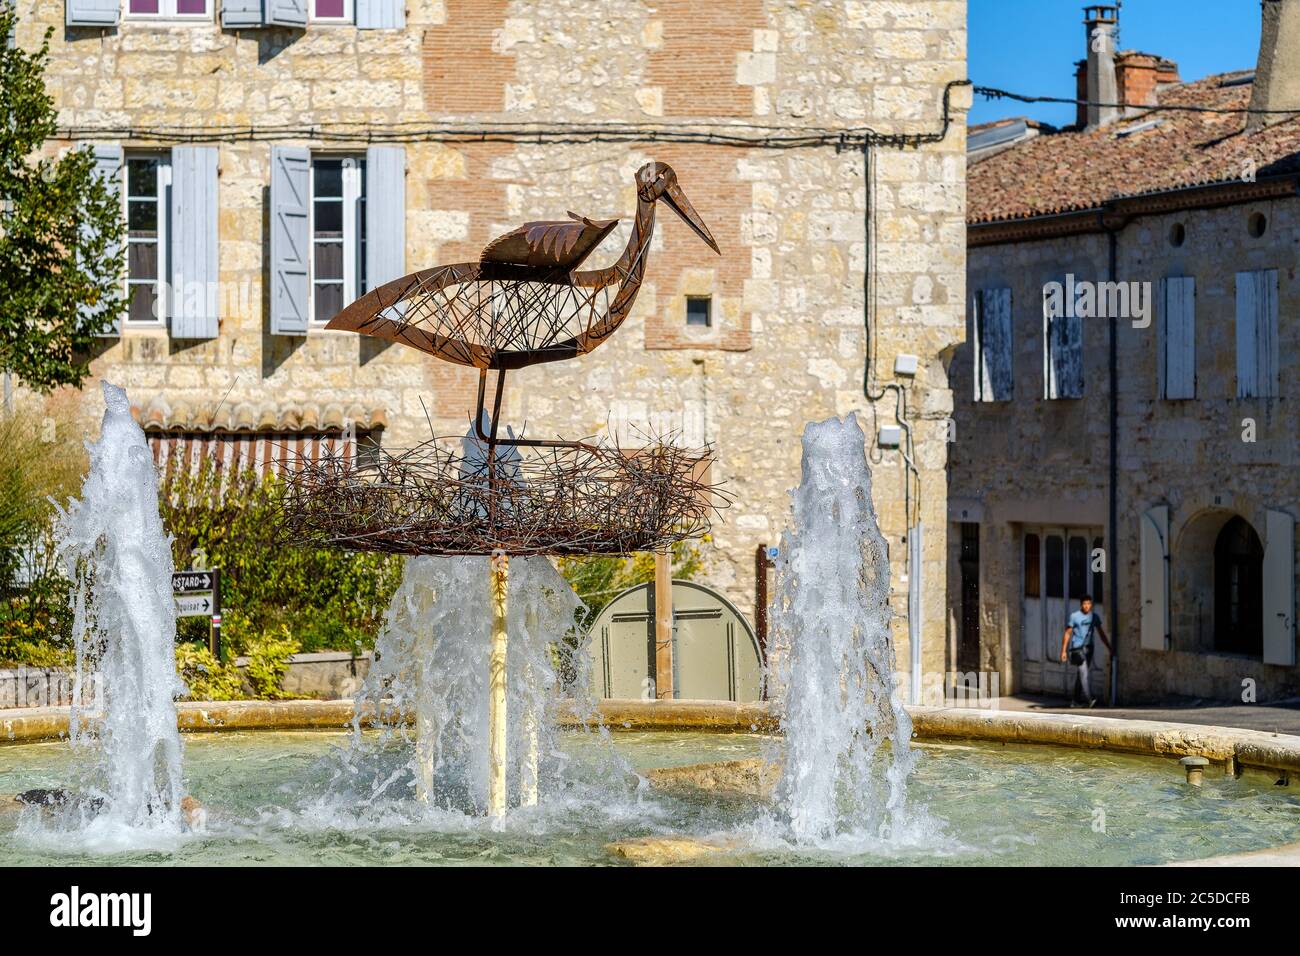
(549, 245)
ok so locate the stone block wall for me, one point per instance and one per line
(791, 294)
(1030, 461)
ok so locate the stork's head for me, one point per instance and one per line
(655, 181)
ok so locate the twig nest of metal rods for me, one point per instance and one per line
(437, 499)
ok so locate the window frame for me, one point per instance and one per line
(167, 12)
(163, 239)
(349, 14)
(353, 240)
(708, 312)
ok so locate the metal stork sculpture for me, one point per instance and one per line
(525, 302)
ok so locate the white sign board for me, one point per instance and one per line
(194, 605)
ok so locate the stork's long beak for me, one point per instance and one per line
(682, 206)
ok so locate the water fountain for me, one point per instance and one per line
(831, 659)
(430, 678)
(115, 549)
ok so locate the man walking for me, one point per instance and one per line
(1076, 647)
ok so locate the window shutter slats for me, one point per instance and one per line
(241, 13)
(108, 167)
(385, 214)
(381, 14)
(287, 13)
(1257, 358)
(1063, 348)
(290, 239)
(92, 13)
(993, 374)
(194, 242)
(1180, 338)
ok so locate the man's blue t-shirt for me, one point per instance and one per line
(1081, 628)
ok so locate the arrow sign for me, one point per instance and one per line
(194, 605)
(185, 581)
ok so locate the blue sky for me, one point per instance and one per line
(1030, 46)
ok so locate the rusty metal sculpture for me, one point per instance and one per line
(523, 303)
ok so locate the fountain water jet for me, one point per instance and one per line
(831, 660)
(114, 547)
(431, 662)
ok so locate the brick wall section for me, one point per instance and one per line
(685, 265)
(695, 64)
(463, 70)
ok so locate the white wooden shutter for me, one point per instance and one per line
(1279, 589)
(194, 273)
(1257, 358)
(381, 14)
(1063, 350)
(287, 13)
(92, 13)
(1179, 372)
(241, 13)
(385, 214)
(290, 238)
(108, 167)
(1154, 584)
(994, 379)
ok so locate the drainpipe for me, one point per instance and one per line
(1112, 517)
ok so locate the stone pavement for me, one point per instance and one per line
(1275, 717)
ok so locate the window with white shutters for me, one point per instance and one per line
(338, 234)
(197, 10)
(148, 179)
(1257, 334)
(1178, 339)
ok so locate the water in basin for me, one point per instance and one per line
(273, 798)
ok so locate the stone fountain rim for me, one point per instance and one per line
(1232, 748)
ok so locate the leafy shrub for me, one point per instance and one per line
(327, 599)
(205, 676)
(268, 662)
(40, 458)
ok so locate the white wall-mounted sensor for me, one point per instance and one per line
(906, 364)
(891, 436)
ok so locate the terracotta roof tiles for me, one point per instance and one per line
(1077, 170)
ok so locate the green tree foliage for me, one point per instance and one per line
(325, 599)
(40, 459)
(61, 231)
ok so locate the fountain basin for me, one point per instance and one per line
(1231, 748)
(999, 801)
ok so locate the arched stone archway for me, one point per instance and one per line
(1215, 585)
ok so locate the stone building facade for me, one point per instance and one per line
(431, 105)
(1178, 232)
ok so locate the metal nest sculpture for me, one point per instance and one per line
(525, 302)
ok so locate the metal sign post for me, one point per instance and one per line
(198, 594)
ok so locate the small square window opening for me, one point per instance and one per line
(699, 311)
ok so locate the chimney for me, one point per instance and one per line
(1101, 23)
(1277, 71)
(1139, 76)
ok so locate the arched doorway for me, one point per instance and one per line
(1238, 589)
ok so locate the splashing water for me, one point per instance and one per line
(831, 661)
(431, 665)
(113, 546)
